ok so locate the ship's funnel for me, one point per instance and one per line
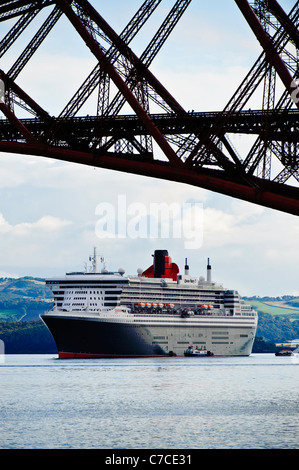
(159, 262)
(163, 267)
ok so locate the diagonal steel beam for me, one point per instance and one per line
(241, 96)
(34, 43)
(272, 55)
(284, 20)
(11, 9)
(16, 31)
(153, 48)
(136, 62)
(17, 123)
(93, 79)
(118, 81)
(10, 85)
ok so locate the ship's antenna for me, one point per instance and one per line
(93, 259)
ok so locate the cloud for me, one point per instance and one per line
(253, 249)
(30, 243)
(52, 79)
(9, 178)
(250, 226)
(231, 226)
(4, 225)
(46, 224)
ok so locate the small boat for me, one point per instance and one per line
(193, 351)
(287, 352)
(284, 352)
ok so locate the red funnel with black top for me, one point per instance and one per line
(163, 267)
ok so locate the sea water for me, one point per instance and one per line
(151, 403)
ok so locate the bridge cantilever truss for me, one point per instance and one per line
(196, 147)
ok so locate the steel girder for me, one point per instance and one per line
(196, 146)
(280, 127)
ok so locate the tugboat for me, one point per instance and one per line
(287, 352)
(193, 351)
(284, 352)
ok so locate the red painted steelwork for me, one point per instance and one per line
(138, 64)
(198, 159)
(271, 54)
(15, 122)
(287, 200)
(281, 15)
(121, 85)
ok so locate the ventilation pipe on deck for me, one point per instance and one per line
(186, 267)
(209, 271)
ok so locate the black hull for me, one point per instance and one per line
(75, 337)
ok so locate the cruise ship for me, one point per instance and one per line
(158, 312)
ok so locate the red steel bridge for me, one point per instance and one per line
(196, 147)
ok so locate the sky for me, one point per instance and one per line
(52, 214)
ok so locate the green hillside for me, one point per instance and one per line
(27, 337)
(23, 299)
(278, 318)
(21, 302)
(276, 308)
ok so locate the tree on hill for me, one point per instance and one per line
(27, 338)
(277, 329)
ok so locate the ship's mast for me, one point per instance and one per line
(94, 261)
